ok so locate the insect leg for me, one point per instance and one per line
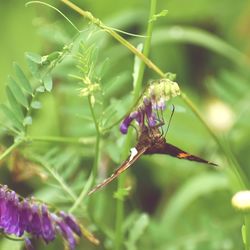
(170, 119)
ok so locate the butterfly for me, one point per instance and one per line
(151, 141)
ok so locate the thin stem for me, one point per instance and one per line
(97, 146)
(52, 7)
(114, 34)
(247, 232)
(151, 65)
(73, 140)
(119, 234)
(232, 162)
(226, 151)
(10, 149)
(56, 176)
(146, 49)
(93, 174)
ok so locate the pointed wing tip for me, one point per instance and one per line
(213, 164)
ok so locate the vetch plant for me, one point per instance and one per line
(149, 118)
(27, 218)
(90, 119)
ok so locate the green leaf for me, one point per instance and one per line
(16, 108)
(17, 92)
(11, 244)
(9, 114)
(40, 89)
(137, 231)
(243, 234)
(23, 79)
(27, 120)
(156, 16)
(36, 105)
(36, 58)
(33, 66)
(121, 193)
(48, 83)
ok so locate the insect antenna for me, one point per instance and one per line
(170, 119)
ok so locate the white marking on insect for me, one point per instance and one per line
(133, 153)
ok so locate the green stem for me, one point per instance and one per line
(247, 233)
(55, 175)
(232, 162)
(73, 140)
(151, 65)
(243, 183)
(114, 34)
(10, 149)
(119, 234)
(97, 144)
(93, 174)
(146, 49)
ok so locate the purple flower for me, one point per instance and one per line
(26, 216)
(145, 114)
(3, 202)
(67, 234)
(70, 221)
(160, 105)
(151, 117)
(35, 227)
(48, 230)
(12, 215)
(127, 121)
(125, 124)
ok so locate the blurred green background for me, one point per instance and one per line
(176, 204)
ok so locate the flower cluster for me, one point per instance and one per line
(23, 217)
(154, 100)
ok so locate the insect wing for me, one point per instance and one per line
(166, 148)
(125, 165)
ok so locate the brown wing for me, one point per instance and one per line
(166, 148)
(125, 165)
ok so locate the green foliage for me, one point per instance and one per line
(60, 124)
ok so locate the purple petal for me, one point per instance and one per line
(71, 222)
(151, 117)
(125, 124)
(13, 215)
(67, 234)
(160, 104)
(3, 203)
(35, 225)
(152, 120)
(25, 217)
(6, 217)
(48, 231)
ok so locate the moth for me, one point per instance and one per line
(151, 141)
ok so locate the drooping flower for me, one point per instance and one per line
(71, 222)
(154, 101)
(19, 216)
(48, 229)
(67, 234)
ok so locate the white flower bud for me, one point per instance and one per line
(241, 200)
